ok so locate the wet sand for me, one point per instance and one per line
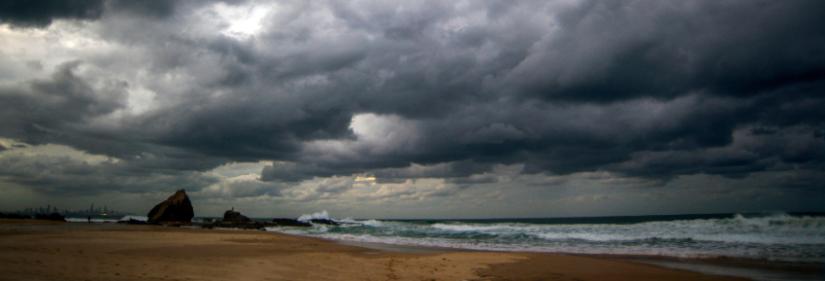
(75, 251)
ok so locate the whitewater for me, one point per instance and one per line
(775, 237)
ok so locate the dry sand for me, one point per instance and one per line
(71, 251)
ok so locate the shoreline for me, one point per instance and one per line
(752, 269)
(467, 264)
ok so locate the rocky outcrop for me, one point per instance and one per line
(234, 219)
(175, 210)
(231, 216)
(323, 221)
(289, 222)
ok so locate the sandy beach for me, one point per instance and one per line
(33, 250)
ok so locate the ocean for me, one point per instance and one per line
(784, 237)
(763, 247)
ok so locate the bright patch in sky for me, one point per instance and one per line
(13, 149)
(369, 179)
(243, 21)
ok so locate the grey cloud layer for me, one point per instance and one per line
(648, 89)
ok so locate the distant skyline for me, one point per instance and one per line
(414, 109)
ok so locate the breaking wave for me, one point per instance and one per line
(323, 215)
(771, 237)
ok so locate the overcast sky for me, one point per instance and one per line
(412, 109)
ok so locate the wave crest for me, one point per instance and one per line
(776, 236)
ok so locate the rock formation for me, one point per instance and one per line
(289, 222)
(234, 219)
(231, 216)
(323, 221)
(175, 210)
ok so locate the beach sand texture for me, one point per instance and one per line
(57, 251)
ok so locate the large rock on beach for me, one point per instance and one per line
(175, 210)
(231, 216)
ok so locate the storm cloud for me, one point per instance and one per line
(41, 13)
(423, 99)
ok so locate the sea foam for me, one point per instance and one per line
(771, 237)
(323, 215)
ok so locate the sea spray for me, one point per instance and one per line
(323, 215)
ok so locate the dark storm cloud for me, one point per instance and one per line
(753, 150)
(150, 8)
(66, 175)
(612, 51)
(41, 13)
(449, 170)
(24, 13)
(294, 172)
(58, 109)
(34, 108)
(644, 88)
(709, 67)
(247, 130)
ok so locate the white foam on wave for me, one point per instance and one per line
(486, 246)
(93, 220)
(370, 222)
(611, 249)
(492, 228)
(776, 237)
(777, 229)
(107, 220)
(373, 223)
(322, 215)
(136, 218)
